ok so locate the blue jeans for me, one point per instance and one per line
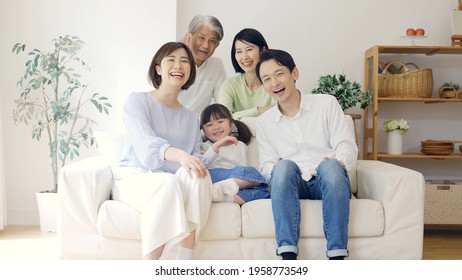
(331, 185)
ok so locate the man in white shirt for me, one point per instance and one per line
(203, 37)
(305, 151)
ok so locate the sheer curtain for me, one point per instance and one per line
(2, 178)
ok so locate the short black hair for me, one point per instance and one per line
(248, 35)
(282, 58)
(164, 51)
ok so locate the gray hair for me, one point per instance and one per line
(210, 22)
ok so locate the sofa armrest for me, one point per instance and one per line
(390, 183)
(401, 192)
(83, 186)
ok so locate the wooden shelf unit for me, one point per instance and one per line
(371, 77)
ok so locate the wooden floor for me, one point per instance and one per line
(27, 242)
(442, 244)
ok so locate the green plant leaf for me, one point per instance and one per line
(347, 93)
(45, 99)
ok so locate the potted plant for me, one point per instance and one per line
(348, 93)
(449, 90)
(395, 130)
(400, 126)
(51, 100)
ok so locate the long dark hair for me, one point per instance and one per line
(248, 35)
(219, 111)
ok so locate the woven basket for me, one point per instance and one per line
(408, 84)
(442, 203)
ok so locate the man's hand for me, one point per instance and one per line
(341, 162)
(186, 38)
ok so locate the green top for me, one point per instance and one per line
(240, 100)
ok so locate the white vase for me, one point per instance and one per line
(395, 142)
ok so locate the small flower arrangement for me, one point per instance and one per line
(391, 125)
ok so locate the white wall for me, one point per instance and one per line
(121, 38)
(2, 178)
(327, 37)
(324, 36)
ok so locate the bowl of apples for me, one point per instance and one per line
(413, 34)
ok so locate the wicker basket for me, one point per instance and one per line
(449, 92)
(443, 203)
(409, 84)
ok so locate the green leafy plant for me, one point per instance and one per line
(348, 93)
(52, 97)
(450, 86)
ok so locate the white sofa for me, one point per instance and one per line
(386, 217)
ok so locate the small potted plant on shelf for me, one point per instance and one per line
(348, 93)
(51, 100)
(449, 90)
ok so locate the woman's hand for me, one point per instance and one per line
(192, 165)
(263, 109)
(189, 162)
(225, 141)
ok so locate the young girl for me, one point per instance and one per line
(226, 152)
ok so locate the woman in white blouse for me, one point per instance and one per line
(167, 182)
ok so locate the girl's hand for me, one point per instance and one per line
(225, 141)
(192, 165)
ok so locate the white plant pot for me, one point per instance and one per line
(48, 204)
(395, 143)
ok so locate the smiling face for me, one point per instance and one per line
(203, 44)
(246, 55)
(278, 81)
(175, 68)
(217, 128)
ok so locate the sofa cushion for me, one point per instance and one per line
(252, 150)
(224, 222)
(366, 219)
(116, 219)
(111, 145)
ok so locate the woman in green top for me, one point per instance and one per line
(244, 94)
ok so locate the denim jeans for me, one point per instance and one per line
(331, 185)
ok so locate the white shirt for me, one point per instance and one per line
(227, 156)
(319, 130)
(209, 77)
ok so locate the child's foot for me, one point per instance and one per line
(229, 187)
(217, 194)
(224, 190)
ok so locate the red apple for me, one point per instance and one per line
(410, 32)
(420, 32)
